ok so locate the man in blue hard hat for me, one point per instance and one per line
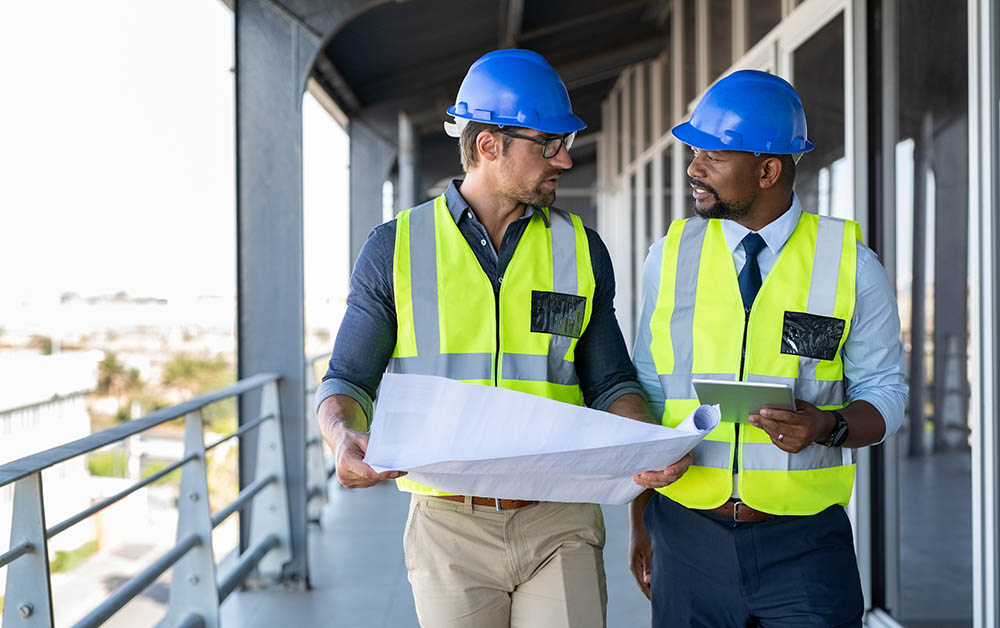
(756, 289)
(490, 284)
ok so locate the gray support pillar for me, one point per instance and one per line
(371, 158)
(923, 162)
(407, 163)
(984, 196)
(273, 55)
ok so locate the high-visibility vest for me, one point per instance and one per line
(450, 323)
(699, 329)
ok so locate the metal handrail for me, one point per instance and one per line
(29, 468)
(319, 356)
(135, 586)
(247, 562)
(244, 496)
(52, 399)
(15, 553)
(243, 429)
(104, 503)
(23, 467)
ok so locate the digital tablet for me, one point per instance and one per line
(738, 400)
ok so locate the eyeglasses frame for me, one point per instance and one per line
(560, 141)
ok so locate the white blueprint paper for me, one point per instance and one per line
(482, 440)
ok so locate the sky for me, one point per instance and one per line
(117, 152)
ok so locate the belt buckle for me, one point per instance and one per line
(496, 500)
(736, 512)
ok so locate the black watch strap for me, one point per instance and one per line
(840, 431)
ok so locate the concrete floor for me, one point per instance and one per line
(359, 580)
(936, 540)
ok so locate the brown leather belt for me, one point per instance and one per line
(739, 511)
(499, 504)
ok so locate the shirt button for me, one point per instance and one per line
(483, 242)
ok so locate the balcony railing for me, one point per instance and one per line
(196, 589)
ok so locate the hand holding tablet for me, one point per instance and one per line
(738, 400)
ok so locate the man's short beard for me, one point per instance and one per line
(723, 210)
(537, 196)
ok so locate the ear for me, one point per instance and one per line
(769, 172)
(487, 145)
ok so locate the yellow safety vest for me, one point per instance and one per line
(699, 329)
(450, 323)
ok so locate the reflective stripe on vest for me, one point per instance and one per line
(447, 316)
(696, 331)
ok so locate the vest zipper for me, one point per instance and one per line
(496, 312)
(743, 359)
(743, 349)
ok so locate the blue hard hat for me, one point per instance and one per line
(749, 111)
(514, 87)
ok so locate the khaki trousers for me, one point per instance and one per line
(540, 566)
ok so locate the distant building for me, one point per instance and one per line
(46, 406)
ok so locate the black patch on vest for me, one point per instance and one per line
(811, 336)
(557, 313)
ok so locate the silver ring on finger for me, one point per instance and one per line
(781, 438)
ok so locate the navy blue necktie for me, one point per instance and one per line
(750, 275)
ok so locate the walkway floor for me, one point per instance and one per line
(359, 580)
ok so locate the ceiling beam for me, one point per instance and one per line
(587, 18)
(330, 77)
(511, 18)
(609, 63)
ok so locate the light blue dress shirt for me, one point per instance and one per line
(872, 353)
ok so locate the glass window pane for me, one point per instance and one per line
(761, 18)
(633, 237)
(683, 189)
(720, 37)
(689, 56)
(668, 187)
(667, 82)
(649, 235)
(650, 70)
(932, 171)
(640, 109)
(823, 177)
(619, 132)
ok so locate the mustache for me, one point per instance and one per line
(553, 173)
(698, 183)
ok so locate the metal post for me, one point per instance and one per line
(274, 49)
(28, 597)
(316, 495)
(192, 588)
(269, 513)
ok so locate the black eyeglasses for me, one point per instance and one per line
(550, 145)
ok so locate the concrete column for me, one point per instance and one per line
(272, 57)
(372, 157)
(408, 193)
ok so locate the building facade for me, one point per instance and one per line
(905, 130)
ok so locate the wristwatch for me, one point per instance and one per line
(839, 434)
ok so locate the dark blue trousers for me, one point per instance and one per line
(712, 572)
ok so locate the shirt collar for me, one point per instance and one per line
(775, 233)
(459, 207)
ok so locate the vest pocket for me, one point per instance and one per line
(557, 313)
(811, 336)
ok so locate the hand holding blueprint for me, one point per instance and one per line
(493, 442)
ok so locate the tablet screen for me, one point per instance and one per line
(738, 400)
